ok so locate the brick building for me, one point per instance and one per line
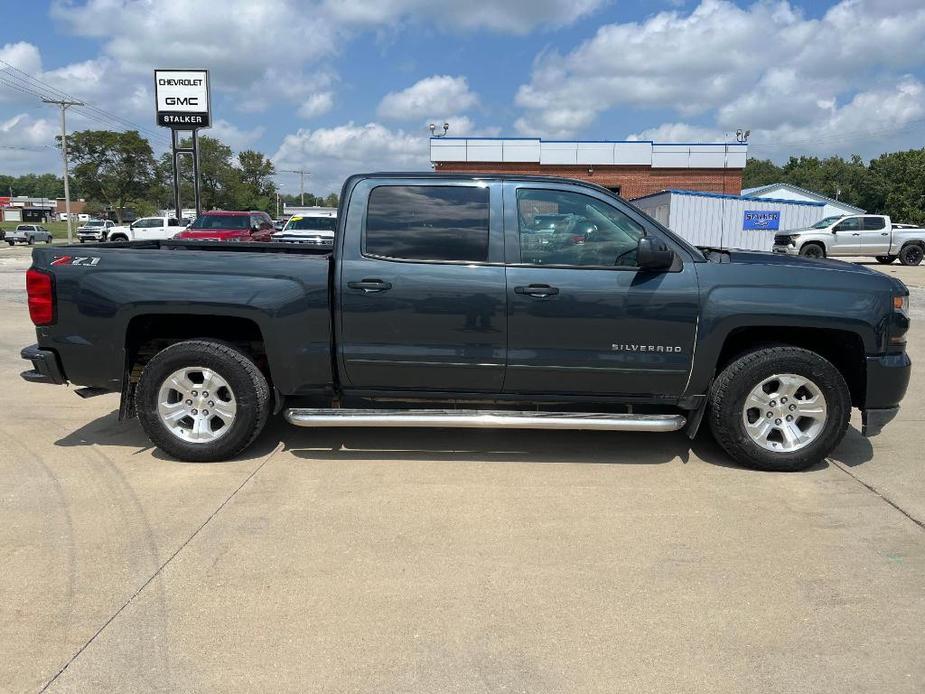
(631, 169)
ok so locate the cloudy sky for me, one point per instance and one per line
(340, 86)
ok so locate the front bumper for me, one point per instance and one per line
(887, 380)
(789, 250)
(45, 366)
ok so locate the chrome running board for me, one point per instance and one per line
(483, 419)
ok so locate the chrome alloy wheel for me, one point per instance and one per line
(784, 413)
(196, 405)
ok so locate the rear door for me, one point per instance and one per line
(846, 237)
(421, 288)
(582, 318)
(148, 228)
(874, 236)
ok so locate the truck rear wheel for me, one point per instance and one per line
(202, 401)
(911, 254)
(780, 408)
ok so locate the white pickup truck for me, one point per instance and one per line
(147, 229)
(870, 235)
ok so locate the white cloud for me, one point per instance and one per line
(511, 16)
(332, 154)
(27, 144)
(764, 67)
(317, 105)
(438, 95)
(869, 123)
(233, 136)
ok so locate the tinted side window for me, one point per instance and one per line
(563, 228)
(874, 223)
(849, 224)
(428, 223)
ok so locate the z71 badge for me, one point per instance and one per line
(84, 260)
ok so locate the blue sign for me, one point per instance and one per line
(762, 220)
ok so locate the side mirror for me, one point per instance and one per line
(654, 254)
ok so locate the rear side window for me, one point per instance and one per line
(874, 223)
(428, 223)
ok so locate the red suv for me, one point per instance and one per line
(229, 226)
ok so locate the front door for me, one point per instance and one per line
(846, 237)
(421, 290)
(583, 319)
(875, 237)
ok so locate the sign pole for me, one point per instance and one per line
(196, 173)
(176, 174)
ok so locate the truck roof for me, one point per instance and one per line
(477, 175)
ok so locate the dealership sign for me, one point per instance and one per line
(764, 220)
(182, 98)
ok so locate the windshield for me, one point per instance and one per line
(222, 221)
(828, 221)
(311, 223)
(94, 223)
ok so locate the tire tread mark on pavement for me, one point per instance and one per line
(876, 491)
(179, 549)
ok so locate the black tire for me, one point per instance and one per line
(12, 243)
(885, 259)
(911, 254)
(31, 240)
(250, 388)
(118, 238)
(730, 389)
(812, 250)
(48, 240)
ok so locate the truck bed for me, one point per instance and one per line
(113, 297)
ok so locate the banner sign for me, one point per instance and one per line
(182, 98)
(762, 220)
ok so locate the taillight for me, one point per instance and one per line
(40, 288)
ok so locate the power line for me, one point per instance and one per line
(21, 81)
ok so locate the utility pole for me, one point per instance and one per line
(302, 174)
(63, 104)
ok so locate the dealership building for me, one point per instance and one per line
(631, 169)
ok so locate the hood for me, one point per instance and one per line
(785, 260)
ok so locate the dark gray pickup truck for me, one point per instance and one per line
(475, 301)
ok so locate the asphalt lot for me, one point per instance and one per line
(449, 561)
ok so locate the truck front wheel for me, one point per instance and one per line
(779, 408)
(202, 401)
(812, 250)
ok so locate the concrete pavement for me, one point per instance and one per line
(448, 561)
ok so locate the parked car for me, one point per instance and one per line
(146, 229)
(429, 299)
(314, 227)
(866, 235)
(220, 225)
(28, 233)
(95, 230)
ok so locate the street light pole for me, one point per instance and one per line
(64, 104)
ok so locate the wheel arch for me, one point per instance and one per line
(843, 348)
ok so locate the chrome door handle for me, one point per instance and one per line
(538, 290)
(369, 286)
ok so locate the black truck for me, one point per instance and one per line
(475, 301)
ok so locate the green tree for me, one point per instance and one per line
(112, 168)
(257, 190)
(897, 185)
(331, 200)
(761, 172)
